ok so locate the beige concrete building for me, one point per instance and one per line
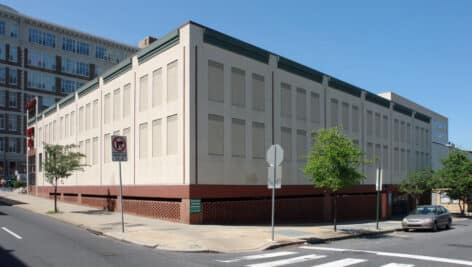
(200, 108)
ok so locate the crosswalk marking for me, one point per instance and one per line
(261, 256)
(341, 263)
(288, 261)
(396, 255)
(398, 265)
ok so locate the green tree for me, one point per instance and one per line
(60, 161)
(418, 183)
(333, 162)
(456, 177)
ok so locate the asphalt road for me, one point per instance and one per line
(29, 239)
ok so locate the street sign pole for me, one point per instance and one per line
(273, 193)
(378, 188)
(121, 200)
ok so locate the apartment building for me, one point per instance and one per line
(44, 60)
(200, 108)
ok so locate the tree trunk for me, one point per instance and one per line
(462, 207)
(55, 196)
(335, 211)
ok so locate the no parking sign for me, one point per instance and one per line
(118, 148)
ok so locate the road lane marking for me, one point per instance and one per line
(341, 263)
(396, 255)
(260, 256)
(288, 261)
(393, 264)
(11, 233)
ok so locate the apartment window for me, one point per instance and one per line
(39, 80)
(13, 100)
(66, 126)
(116, 105)
(2, 27)
(41, 37)
(143, 93)
(81, 119)
(2, 55)
(95, 114)
(345, 116)
(157, 138)
(72, 123)
(88, 119)
(334, 113)
(3, 98)
(385, 127)
(172, 84)
(106, 108)
(75, 67)
(95, 150)
(258, 140)
(238, 138)
(127, 133)
(61, 128)
(370, 152)
(13, 77)
(13, 145)
(2, 121)
(107, 148)
(13, 30)
(370, 123)
(286, 142)
(101, 53)
(3, 147)
(215, 134)
(41, 59)
(69, 86)
(396, 129)
(301, 104)
(172, 135)
(402, 132)
(385, 157)
(126, 100)
(408, 133)
(286, 100)
(258, 92)
(3, 75)
(75, 46)
(157, 87)
(301, 145)
(12, 123)
(238, 87)
(143, 140)
(315, 107)
(355, 119)
(13, 57)
(215, 81)
(88, 155)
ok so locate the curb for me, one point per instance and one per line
(338, 238)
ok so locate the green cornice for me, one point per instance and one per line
(299, 69)
(402, 109)
(88, 87)
(159, 46)
(345, 87)
(373, 98)
(422, 117)
(117, 70)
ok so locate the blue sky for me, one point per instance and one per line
(421, 49)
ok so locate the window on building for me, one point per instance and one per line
(385, 157)
(238, 138)
(41, 37)
(107, 148)
(126, 100)
(101, 52)
(334, 112)
(2, 27)
(370, 123)
(377, 125)
(13, 145)
(215, 81)
(127, 133)
(39, 80)
(215, 135)
(301, 104)
(172, 134)
(2, 121)
(3, 98)
(302, 149)
(286, 100)
(408, 133)
(385, 126)
(95, 150)
(13, 30)
(95, 114)
(75, 46)
(355, 119)
(315, 107)
(402, 132)
(72, 123)
(3, 75)
(157, 87)
(258, 140)
(258, 92)
(106, 108)
(75, 67)
(13, 57)
(13, 100)
(116, 105)
(157, 138)
(286, 142)
(88, 114)
(2, 52)
(88, 153)
(66, 126)
(41, 59)
(13, 77)
(143, 140)
(143, 93)
(81, 119)
(61, 128)
(238, 87)
(172, 82)
(396, 130)
(345, 116)
(13, 123)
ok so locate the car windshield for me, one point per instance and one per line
(425, 211)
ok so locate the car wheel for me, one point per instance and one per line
(435, 227)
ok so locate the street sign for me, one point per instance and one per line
(118, 148)
(378, 179)
(275, 155)
(278, 178)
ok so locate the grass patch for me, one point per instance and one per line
(53, 212)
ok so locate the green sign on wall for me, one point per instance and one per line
(195, 205)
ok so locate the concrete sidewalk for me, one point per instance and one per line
(193, 238)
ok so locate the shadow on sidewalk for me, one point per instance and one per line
(7, 259)
(93, 212)
(9, 202)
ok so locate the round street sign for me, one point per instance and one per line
(119, 144)
(275, 155)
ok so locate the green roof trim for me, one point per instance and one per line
(67, 100)
(376, 99)
(422, 117)
(345, 87)
(159, 46)
(50, 110)
(299, 69)
(117, 70)
(402, 109)
(88, 87)
(234, 45)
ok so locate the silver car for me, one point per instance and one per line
(428, 217)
